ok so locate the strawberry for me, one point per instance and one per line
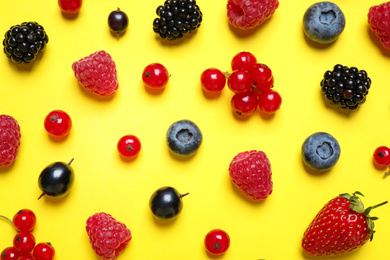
(342, 225)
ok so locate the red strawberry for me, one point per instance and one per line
(341, 226)
(251, 172)
(97, 73)
(108, 237)
(247, 14)
(379, 21)
(9, 139)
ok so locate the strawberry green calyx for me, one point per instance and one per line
(358, 206)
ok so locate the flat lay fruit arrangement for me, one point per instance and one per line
(192, 129)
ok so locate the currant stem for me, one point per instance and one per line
(256, 89)
(43, 194)
(386, 173)
(4, 217)
(71, 161)
(183, 195)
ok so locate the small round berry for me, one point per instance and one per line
(382, 156)
(24, 242)
(262, 77)
(10, 253)
(155, 76)
(24, 220)
(243, 60)
(244, 104)
(43, 251)
(213, 80)
(58, 123)
(184, 138)
(217, 242)
(270, 101)
(118, 21)
(70, 6)
(129, 146)
(240, 81)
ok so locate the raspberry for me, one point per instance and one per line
(379, 21)
(9, 139)
(247, 14)
(251, 172)
(107, 236)
(97, 73)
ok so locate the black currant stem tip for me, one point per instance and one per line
(386, 173)
(4, 217)
(43, 194)
(183, 195)
(71, 161)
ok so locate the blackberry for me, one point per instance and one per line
(23, 42)
(345, 87)
(177, 18)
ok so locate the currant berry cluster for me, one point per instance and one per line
(24, 246)
(251, 82)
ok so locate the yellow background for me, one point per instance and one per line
(271, 229)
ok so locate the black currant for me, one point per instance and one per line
(56, 180)
(166, 203)
(118, 22)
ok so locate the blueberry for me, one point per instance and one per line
(320, 151)
(184, 138)
(323, 22)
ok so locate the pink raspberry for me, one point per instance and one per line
(97, 73)
(9, 139)
(251, 172)
(107, 236)
(379, 21)
(247, 14)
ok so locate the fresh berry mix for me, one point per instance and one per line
(251, 172)
(97, 73)
(155, 76)
(379, 21)
(177, 18)
(323, 22)
(107, 236)
(343, 225)
(58, 123)
(346, 87)
(9, 139)
(247, 14)
(23, 42)
(129, 146)
(118, 21)
(217, 242)
(70, 6)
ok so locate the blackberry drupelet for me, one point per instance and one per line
(23, 42)
(345, 87)
(177, 18)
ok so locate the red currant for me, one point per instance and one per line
(27, 257)
(243, 60)
(270, 101)
(213, 80)
(44, 251)
(382, 156)
(217, 242)
(9, 253)
(155, 76)
(129, 146)
(24, 220)
(244, 104)
(262, 77)
(24, 242)
(70, 6)
(240, 81)
(58, 123)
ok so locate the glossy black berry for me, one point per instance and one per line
(56, 180)
(23, 42)
(166, 203)
(177, 18)
(345, 87)
(184, 138)
(118, 22)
